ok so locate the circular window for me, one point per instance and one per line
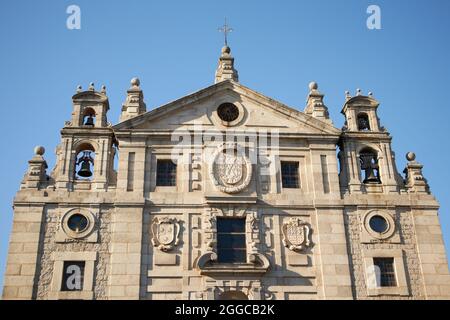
(77, 222)
(378, 224)
(228, 112)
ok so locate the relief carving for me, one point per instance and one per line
(296, 234)
(231, 169)
(165, 233)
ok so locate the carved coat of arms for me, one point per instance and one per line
(231, 170)
(296, 234)
(165, 233)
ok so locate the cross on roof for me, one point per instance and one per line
(225, 29)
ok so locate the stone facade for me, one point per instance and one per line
(127, 234)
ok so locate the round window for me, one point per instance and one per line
(228, 112)
(378, 224)
(77, 222)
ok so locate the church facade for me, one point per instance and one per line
(224, 194)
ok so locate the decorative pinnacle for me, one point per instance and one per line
(91, 87)
(79, 88)
(225, 29)
(103, 89)
(135, 82)
(358, 92)
(347, 94)
(410, 156)
(313, 86)
(39, 150)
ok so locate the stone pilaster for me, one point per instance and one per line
(332, 256)
(126, 254)
(22, 262)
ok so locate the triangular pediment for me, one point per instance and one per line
(200, 108)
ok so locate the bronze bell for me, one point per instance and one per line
(85, 170)
(89, 121)
(371, 177)
(369, 165)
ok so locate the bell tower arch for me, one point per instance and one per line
(367, 162)
(85, 156)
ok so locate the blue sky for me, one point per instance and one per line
(173, 47)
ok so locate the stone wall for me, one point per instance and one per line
(48, 246)
(405, 227)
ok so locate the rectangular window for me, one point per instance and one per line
(384, 268)
(166, 173)
(231, 245)
(289, 174)
(73, 276)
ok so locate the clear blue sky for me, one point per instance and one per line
(173, 47)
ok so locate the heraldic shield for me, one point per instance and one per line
(296, 234)
(231, 169)
(165, 233)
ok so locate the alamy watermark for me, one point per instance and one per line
(374, 20)
(73, 21)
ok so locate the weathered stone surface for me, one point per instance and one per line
(145, 240)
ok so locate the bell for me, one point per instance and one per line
(85, 160)
(85, 170)
(369, 164)
(371, 177)
(89, 121)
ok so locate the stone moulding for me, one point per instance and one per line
(88, 234)
(207, 264)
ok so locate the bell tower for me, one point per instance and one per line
(367, 162)
(85, 156)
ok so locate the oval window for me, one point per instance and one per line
(77, 223)
(378, 224)
(228, 112)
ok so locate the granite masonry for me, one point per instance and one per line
(225, 194)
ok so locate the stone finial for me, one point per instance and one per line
(370, 94)
(410, 156)
(347, 95)
(358, 92)
(414, 179)
(79, 88)
(103, 90)
(135, 82)
(134, 104)
(91, 87)
(36, 174)
(314, 103)
(39, 150)
(226, 50)
(225, 70)
(313, 86)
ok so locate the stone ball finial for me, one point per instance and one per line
(313, 86)
(39, 150)
(347, 95)
(79, 88)
(358, 92)
(226, 49)
(135, 82)
(91, 86)
(410, 156)
(103, 89)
